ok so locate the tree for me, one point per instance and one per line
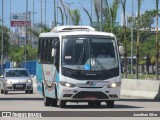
(157, 42)
(64, 8)
(89, 16)
(123, 2)
(146, 19)
(6, 45)
(97, 7)
(62, 15)
(75, 16)
(138, 37)
(110, 14)
(17, 54)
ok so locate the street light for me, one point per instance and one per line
(2, 42)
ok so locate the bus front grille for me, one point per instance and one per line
(84, 94)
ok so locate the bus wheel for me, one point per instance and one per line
(46, 101)
(97, 104)
(53, 102)
(2, 91)
(91, 104)
(5, 92)
(110, 104)
(62, 104)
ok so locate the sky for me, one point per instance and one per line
(19, 6)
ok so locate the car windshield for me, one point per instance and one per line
(16, 73)
(89, 53)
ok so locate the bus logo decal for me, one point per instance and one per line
(91, 83)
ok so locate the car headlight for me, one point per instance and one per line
(66, 84)
(8, 81)
(29, 81)
(113, 85)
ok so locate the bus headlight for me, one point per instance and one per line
(113, 85)
(9, 82)
(29, 81)
(66, 84)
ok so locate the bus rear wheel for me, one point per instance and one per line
(46, 101)
(53, 102)
(62, 104)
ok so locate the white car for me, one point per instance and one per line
(16, 79)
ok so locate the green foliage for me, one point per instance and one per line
(146, 19)
(62, 15)
(110, 14)
(17, 54)
(75, 16)
(6, 39)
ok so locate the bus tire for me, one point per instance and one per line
(62, 104)
(2, 91)
(47, 101)
(97, 104)
(53, 102)
(91, 104)
(5, 92)
(110, 104)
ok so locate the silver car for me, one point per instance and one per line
(16, 79)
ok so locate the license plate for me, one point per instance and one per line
(90, 98)
(19, 86)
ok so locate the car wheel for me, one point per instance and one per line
(5, 92)
(2, 91)
(31, 91)
(110, 104)
(26, 92)
(62, 104)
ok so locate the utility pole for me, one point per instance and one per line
(2, 41)
(41, 15)
(157, 41)
(55, 23)
(132, 41)
(26, 32)
(91, 11)
(101, 15)
(45, 12)
(32, 24)
(57, 11)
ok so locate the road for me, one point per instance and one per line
(19, 101)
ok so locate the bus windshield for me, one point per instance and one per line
(89, 53)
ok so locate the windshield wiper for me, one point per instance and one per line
(100, 64)
(80, 59)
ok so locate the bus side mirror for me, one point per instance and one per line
(53, 52)
(121, 50)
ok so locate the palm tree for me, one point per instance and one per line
(75, 16)
(64, 8)
(123, 2)
(62, 15)
(86, 11)
(157, 42)
(111, 13)
(138, 36)
(97, 10)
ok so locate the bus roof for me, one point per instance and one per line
(74, 30)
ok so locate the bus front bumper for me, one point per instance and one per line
(88, 94)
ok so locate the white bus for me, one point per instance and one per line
(78, 64)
